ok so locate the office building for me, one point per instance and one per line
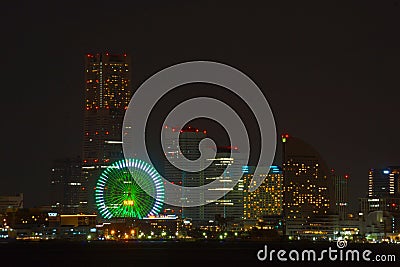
(341, 195)
(230, 205)
(384, 182)
(65, 185)
(189, 139)
(225, 170)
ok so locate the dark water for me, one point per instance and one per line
(158, 253)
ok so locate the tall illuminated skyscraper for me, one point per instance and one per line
(107, 95)
(307, 183)
(267, 199)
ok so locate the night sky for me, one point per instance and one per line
(329, 71)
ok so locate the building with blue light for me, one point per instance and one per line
(384, 182)
(266, 200)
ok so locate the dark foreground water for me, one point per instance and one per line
(159, 253)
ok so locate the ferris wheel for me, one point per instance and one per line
(118, 194)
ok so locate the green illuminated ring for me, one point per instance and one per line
(118, 194)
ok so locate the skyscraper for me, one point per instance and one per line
(187, 146)
(383, 195)
(384, 182)
(225, 170)
(307, 183)
(229, 206)
(341, 195)
(107, 95)
(267, 199)
(66, 185)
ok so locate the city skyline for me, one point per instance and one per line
(335, 88)
(105, 162)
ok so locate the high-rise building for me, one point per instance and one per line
(229, 206)
(383, 196)
(187, 146)
(107, 95)
(384, 182)
(225, 170)
(65, 185)
(341, 195)
(307, 183)
(267, 199)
